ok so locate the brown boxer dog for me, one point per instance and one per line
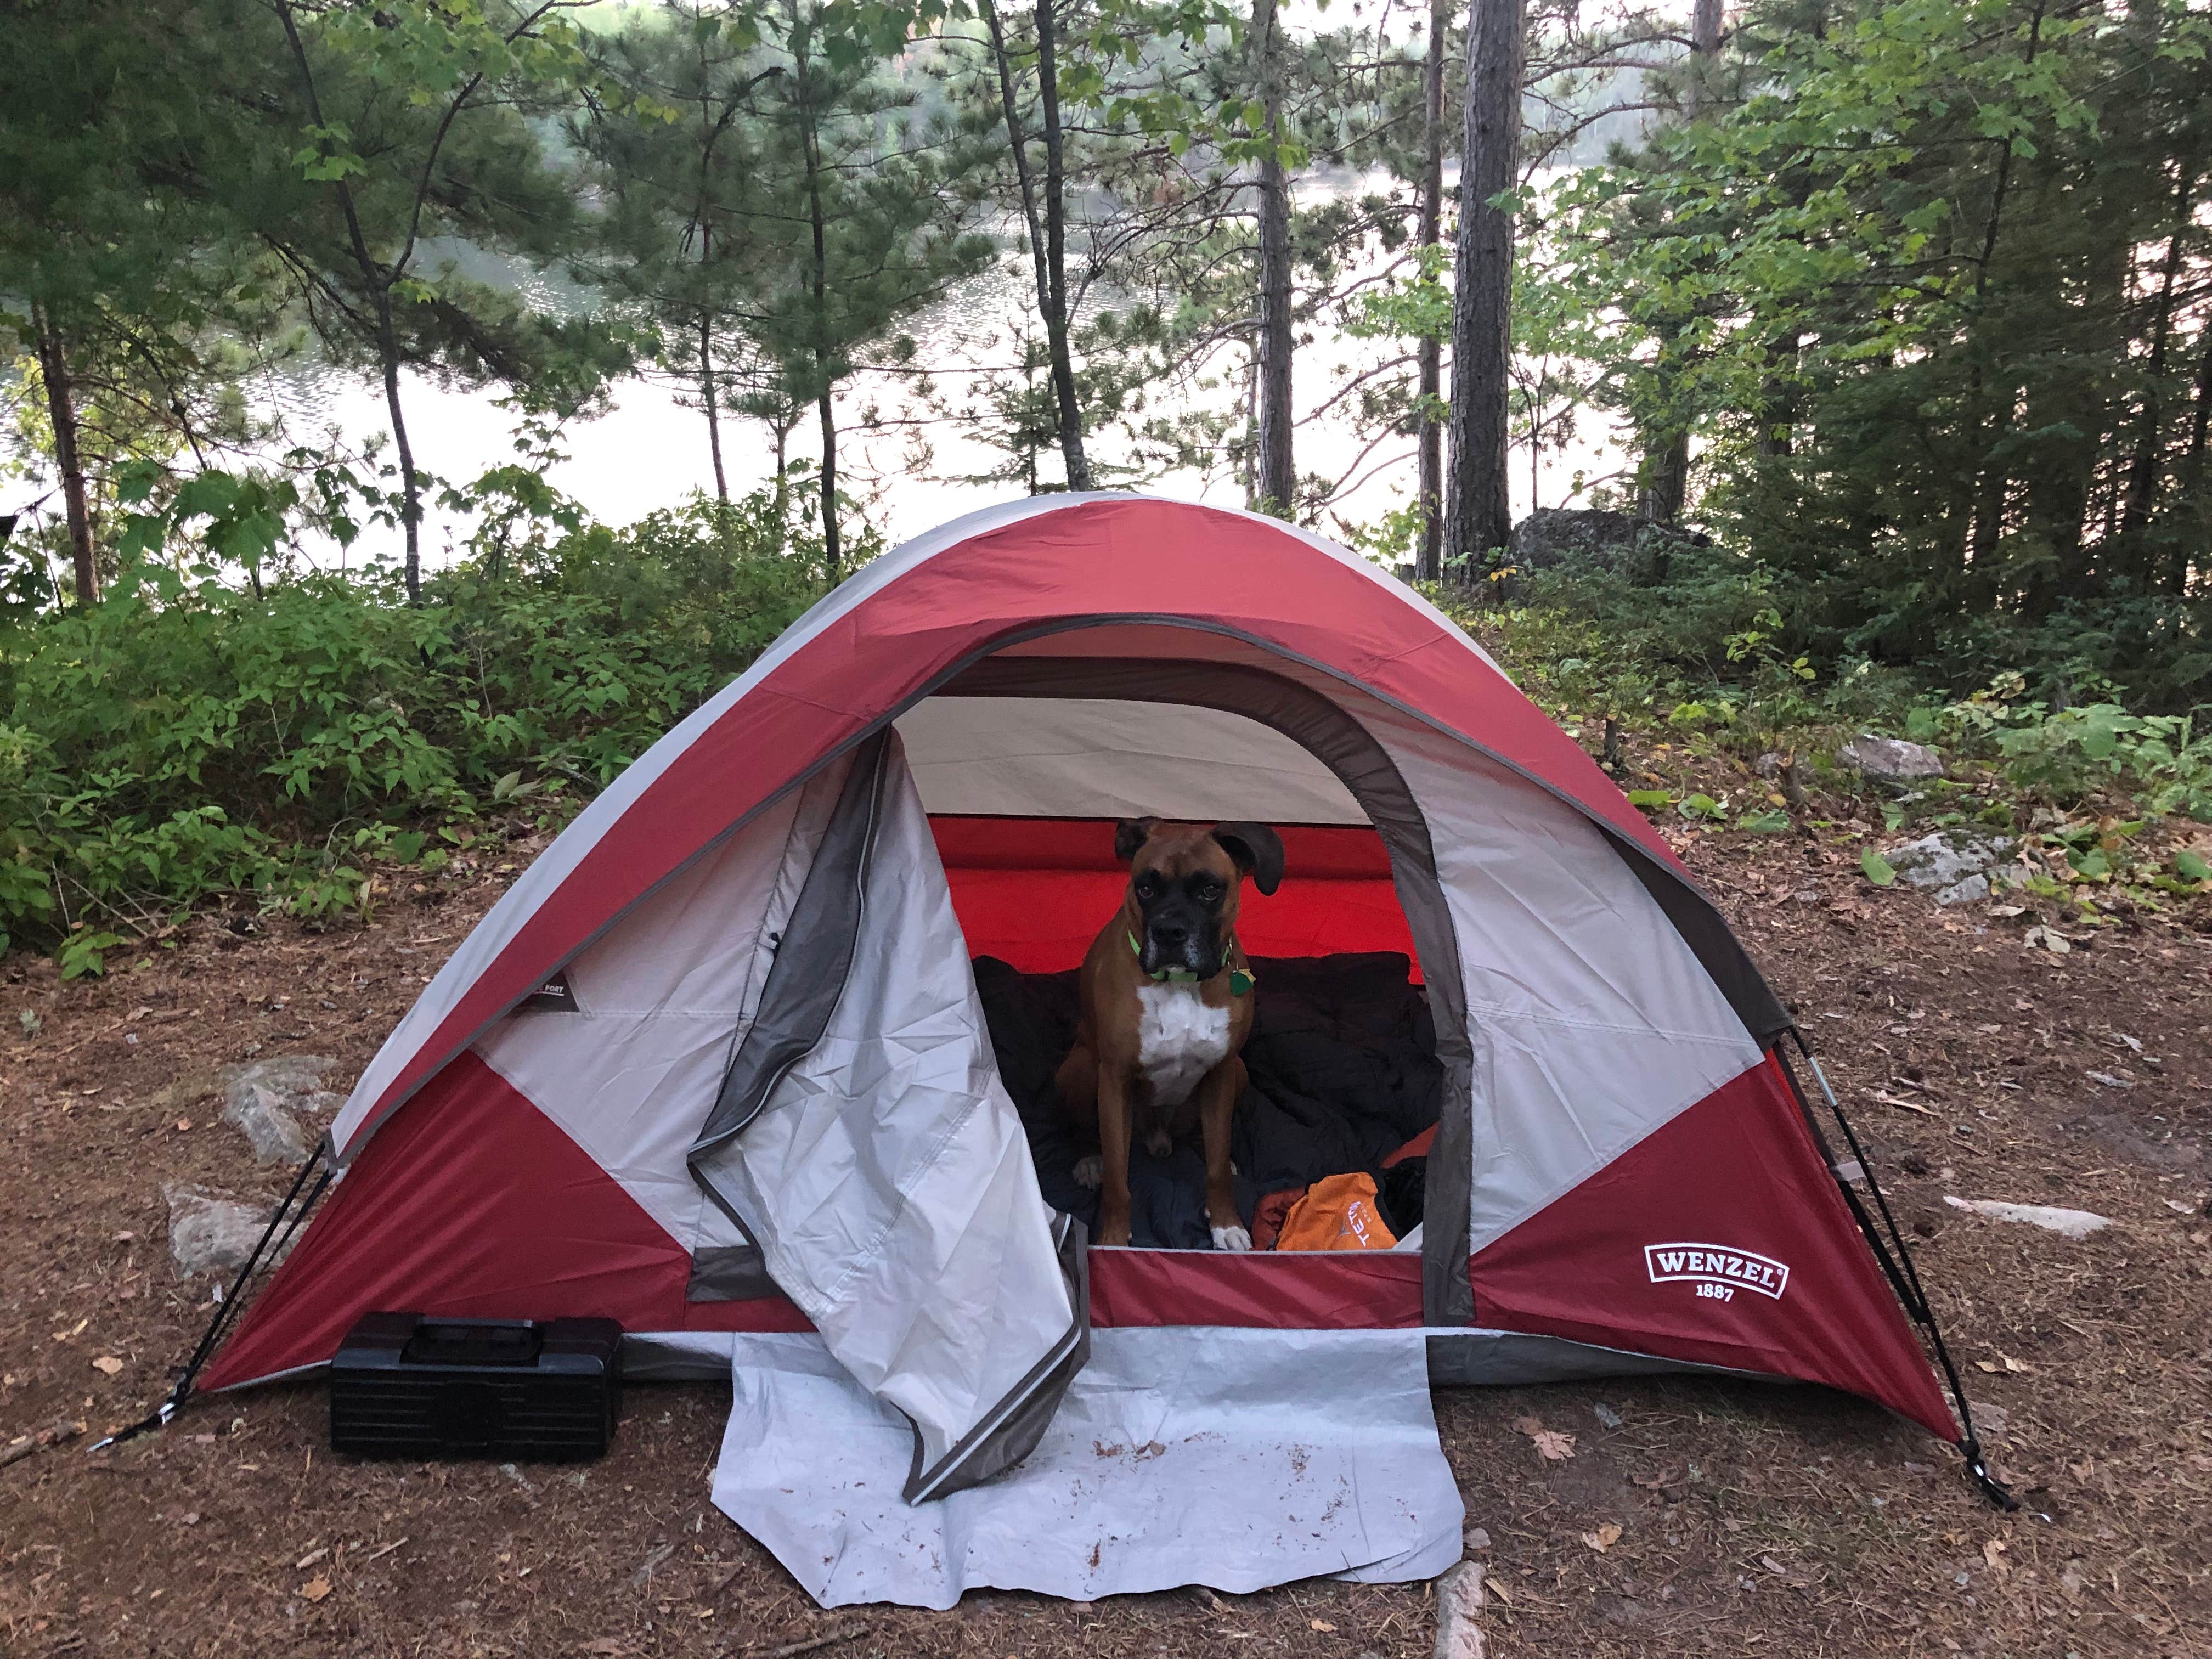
(1167, 1003)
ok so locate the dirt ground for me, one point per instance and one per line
(1751, 1519)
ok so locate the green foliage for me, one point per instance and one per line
(169, 747)
(1928, 281)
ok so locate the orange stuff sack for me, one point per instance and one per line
(1337, 1214)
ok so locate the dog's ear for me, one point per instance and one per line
(1257, 849)
(1131, 833)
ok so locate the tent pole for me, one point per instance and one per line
(231, 1301)
(1896, 1262)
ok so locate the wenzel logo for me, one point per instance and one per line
(1715, 1269)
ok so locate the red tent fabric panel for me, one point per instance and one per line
(472, 1203)
(1720, 1239)
(1033, 892)
(1301, 1291)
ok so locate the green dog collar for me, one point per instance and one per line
(1240, 980)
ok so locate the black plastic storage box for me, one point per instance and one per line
(405, 1386)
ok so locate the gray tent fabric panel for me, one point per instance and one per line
(1193, 1455)
(1001, 1442)
(1335, 737)
(811, 960)
(863, 1142)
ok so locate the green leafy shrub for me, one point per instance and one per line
(189, 738)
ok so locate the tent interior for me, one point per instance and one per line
(1023, 793)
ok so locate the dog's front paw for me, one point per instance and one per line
(1090, 1171)
(1231, 1238)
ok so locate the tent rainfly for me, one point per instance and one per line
(717, 1062)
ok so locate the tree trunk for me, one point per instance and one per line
(831, 553)
(61, 411)
(1478, 513)
(2191, 468)
(1428, 564)
(1055, 248)
(2150, 448)
(714, 411)
(410, 494)
(1706, 44)
(1275, 484)
(1993, 483)
(1052, 309)
(1666, 463)
(377, 279)
(1778, 401)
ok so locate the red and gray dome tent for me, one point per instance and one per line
(717, 1062)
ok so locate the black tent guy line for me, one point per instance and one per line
(233, 1300)
(1896, 1259)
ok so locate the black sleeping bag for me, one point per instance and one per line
(1343, 1068)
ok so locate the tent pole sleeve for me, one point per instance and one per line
(1896, 1260)
(220, 1323)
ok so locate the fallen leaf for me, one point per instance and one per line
(1320, 1623)
(1497, 1587)
(1993, 1552)
(315, 1589)
(2012, 1365)
(1603, 1538)
(1531, 1426)
(108, 1364)
(1556, 1447)
(1987, 1366)
(183, 1124)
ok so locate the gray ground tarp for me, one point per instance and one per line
(1237, 1459)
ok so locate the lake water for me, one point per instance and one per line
(911, 468)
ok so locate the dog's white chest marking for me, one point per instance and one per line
(1179, 1039)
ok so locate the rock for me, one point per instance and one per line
(1956, 863)
(1459, 1598)
(1588, 539)
(267, 1098)
(2067, 1223)
(212, 1232)
(1890, 760)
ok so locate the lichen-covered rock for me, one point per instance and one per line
(269, 1100)
(1890, 760)
(1956, 863)
(212, 1232)
(1591, 539)
(1459, 1598)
